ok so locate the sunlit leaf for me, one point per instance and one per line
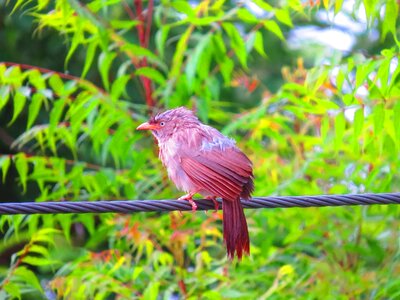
(259, 44)
(194, 59)
(151, 73)
(379, 117)
(263, 4)
(19, 104)
(180, 50)
(340, 123)
(124, 24)
(283, 16)
(105, 61)
(274, 28)
(5, 162)
(237, 42)
(246, 16)
(28, 276)
(21, 164)
(34, 108)
(183, 7)
(90, 53)
(161, 38)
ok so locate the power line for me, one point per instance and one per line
(131, 206)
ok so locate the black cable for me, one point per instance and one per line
(130, 206)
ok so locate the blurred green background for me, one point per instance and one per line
(309, 90)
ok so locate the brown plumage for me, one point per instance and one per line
(200, 159)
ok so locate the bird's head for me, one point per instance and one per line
(164, 125)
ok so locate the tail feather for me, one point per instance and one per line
(236, 235)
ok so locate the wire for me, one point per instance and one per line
(130, 206)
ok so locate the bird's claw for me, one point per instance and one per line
(216, 203)
(194, 205)
(189, 197)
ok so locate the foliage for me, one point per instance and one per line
(331, 128)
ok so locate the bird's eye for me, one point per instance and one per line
(162, 123)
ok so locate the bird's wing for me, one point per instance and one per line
(223, 173)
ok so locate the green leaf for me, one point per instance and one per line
(5, 162)
(83, 11)
(370, 6)
(151, 292)
(13, 76)
(139, 52)
(194, 59)
(56, 84)
(21, 164)
(263, 4)
(217, 5)
(283, 16)
(227, 67)
(28, 277)
(45, 235)
(383, 74)
(119, 85)
(274, 28)
(90, 53)
(37, 261)
(79, 111)
(183, 7)
(246, 16)
(124, 24)
(76, 40)
(105, 61)
(34, 108)
(65, 223)
(36, 79)
(19, 104)
(177, 60)
(339, 80)
(13, 289)
(379, 118)
(55, 116)
(219, 47)
(39, 249)
(152, 74)
(338, 6)
(358, 121)
(340, 125)
(161, 38)
(5, 92)
(259, 44)
(204, 65)
(349, 99)
(396, 119)
(56, 113)
(236, 42)
(17, 5)
(363, 71)
(206, 20)
(325, 129)
(88, 221)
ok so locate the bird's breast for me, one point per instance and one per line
(171, 159)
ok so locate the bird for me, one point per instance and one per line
(201, 160)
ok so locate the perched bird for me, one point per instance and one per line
(200, 159)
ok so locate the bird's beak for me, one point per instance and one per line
(147, 126)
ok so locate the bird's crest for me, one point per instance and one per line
(176, 113)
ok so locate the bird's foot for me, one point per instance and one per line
(189, 197)
(214, 199)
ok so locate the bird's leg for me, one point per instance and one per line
(189, 197)
(214, 199)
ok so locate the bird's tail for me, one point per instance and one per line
(236, 235)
